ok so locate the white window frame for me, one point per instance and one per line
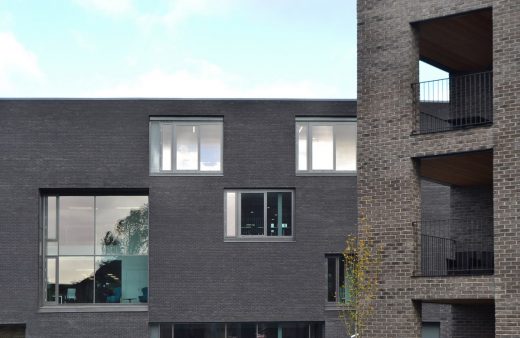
(184, 121)
(238, 208)
(311, 122)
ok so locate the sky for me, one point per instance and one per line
(179, 48)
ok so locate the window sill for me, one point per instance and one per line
(334, 307)
(188, 174)
(326, 173)
(92, 308)
(259, 239)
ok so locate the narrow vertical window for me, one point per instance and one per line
(331, 279)
(230, 214)
(166, 148)
(301, 130)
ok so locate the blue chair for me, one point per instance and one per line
(116, 297)
(144, 297)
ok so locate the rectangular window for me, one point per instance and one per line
(258, 214)
(325, 145)
(186, 146)
(96, 249)
(337, 291)
(238, 330)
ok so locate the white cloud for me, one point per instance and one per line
(16, 63)
(201, 79)
(110, 7)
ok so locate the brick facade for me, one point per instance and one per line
(388, 183)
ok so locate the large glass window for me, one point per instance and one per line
(96, 249)
(238, 330)
(325, 146)
(186, 146)
(259, 214)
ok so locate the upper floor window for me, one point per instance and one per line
(325, 145)
(95, 250)
(258, 214)
(186, 145)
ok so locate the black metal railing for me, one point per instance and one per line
(456, 247)
(457, 102)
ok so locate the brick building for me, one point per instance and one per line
(185, 218)
(450, 259)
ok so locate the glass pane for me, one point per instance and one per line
(331, 279)
(187, 156)
(294, 330)
(213, 330)
(166, 140)
(345, 146)
(155, 146)
(52, 248)
(76, 279)
(51, 217)
(302, 145)
(279, 214)
(76, 225)
(166, 330)
(322, 148)
(241, 330)
(51, 279)
(268, 330)
(108, 280)
(252, 214)
(230, 214)
(210, 147)
(341, 279)
(122, 225)
(134, 279)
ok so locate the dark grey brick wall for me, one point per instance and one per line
(473, 321)
(194, 274)
(388, 184)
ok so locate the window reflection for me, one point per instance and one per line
(187, 155)
(76, 279)
(117, 270)
(345, 146)
(166, 140)
(210, 141)
(252, 214)
(76, 225)
(322, 148)
(121, 225)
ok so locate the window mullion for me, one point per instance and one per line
(174, 148)
(197, 131)
(265, 214)
(333, 146)
(309, 147)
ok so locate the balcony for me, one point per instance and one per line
(458, 102)
(455, 247)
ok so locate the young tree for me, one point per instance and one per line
(362, 267)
